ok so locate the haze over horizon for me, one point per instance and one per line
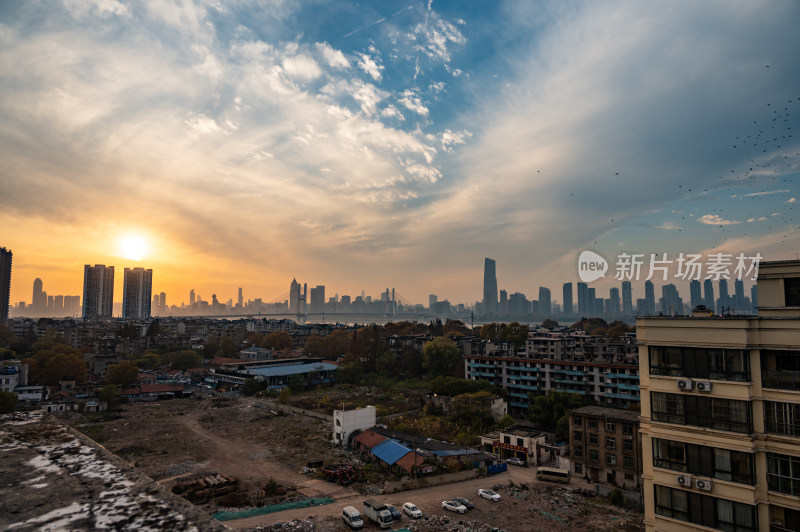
(363, 146)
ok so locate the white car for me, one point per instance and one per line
(489, 494)
(516, 461)
(453, 506)
(411, 510)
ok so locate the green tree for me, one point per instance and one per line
(125, 373)
(505, 421)
(549, 324)
(109, 394)
(278, 340)
(285, 396)
(515, 333)
(251, 387)
(441, 357)
(148, 360)
(8, 402)
(546, 410)
(182, 360)
(350, 372)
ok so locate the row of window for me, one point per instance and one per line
(704, 461)
(611, 458)
(611, 426)
(724, 414)
(700, 362)
(705, 510)
(611, 441)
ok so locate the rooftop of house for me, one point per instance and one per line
(629, 416)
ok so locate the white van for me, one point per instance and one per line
(352, 517)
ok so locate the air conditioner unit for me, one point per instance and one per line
(703, 484)
(703, 386)
(685, 384)
(685, 481)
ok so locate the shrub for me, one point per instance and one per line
(615, 497)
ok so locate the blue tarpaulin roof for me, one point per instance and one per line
(459, 452)
(390, 451)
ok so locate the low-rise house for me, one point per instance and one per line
(535, 447)
(256, 353)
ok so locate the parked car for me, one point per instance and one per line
(489, 494)
(411, 510)
(453, 506)
(464, 502)
(516, 461)
(395, 512)
(352, 517)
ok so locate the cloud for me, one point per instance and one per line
(767, 193)
(301, 67)
(370, 66)
(670, 226)
(791, 200)
(334, 58)
(435, 35)
(713, 219)
(451, 138)
(412, 101)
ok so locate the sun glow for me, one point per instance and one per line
(133, 247)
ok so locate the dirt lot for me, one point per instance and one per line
(249, 439)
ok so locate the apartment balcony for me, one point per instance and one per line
(623, 396)
(523, 386)
(482, 374)
(781, 380)
(479, 365)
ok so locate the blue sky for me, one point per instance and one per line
(362, 145)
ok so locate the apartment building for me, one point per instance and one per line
(601, 368)
(720, 419)
(605, 446)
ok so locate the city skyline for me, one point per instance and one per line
(362, 145)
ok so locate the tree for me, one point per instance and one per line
(441, 357)
(455, 328)
(278, 340)
(125, 373)
(228, 346)
(128, 331)
(182, 360)
(285, 395)
(251, 387)
(109, 394)
(8, 402)
(546, 410)
(59, 362)
(549, 324)
(505, 421)
(315, 346)
(154, 329)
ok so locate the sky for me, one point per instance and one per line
(366, 145)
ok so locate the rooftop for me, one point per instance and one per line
(630, 416)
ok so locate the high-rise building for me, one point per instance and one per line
(708, 294)
(671, 302)
(137, 288)
(754, 297)
(489, 286)
(724, 301)
(695, 295)
(317, 299)
(613, 301)
(567, 299)
(650, 297)
(592, 304)
(5, 284)
(432, 299)
(738, 302)
(191, 297)
(240, 300)
(162, 303)
(98, 291)
(545, 301)
(627, 299)
(583, 300)
(39, 300)
(720, 414)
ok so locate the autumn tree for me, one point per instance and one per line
(549, 324)
(61, 361)
(441, 357)
(455, 328)
(125, 373)
(278, 340)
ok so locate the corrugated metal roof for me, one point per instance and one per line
(290, 369)
(390, 451)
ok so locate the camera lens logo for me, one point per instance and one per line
(591, 266)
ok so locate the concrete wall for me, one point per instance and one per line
(411, 484)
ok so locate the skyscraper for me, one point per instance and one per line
(650, 297)
(738, 302)
(98, 291)
(39, 300)
(613, 301)
(489, 286)
(627, 299)
(240, 301)
(695, 295)
(724, 299)
(567, 299)
(191, 297)
(5, 284)
(317, 299)
(137, 289)
(583, 300)
(708, 294)
(545, 301)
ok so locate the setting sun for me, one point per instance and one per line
(133, 247)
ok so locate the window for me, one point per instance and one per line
(611, 459)
(593, 439)
(627, 445)
(782, 418)
(705, 510)
(702, 411)
(579, 469)
(610, 427)
(594, 455)
(593, 424)
(577, 435)
(507, 439)
(700, 363)
(520, 442)
(704, 461)
(611, 442)
(783, 473)
(578, 451)
(627, 430)
(791, 288)
(627, 462)
(780, 369)
(577, 420)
